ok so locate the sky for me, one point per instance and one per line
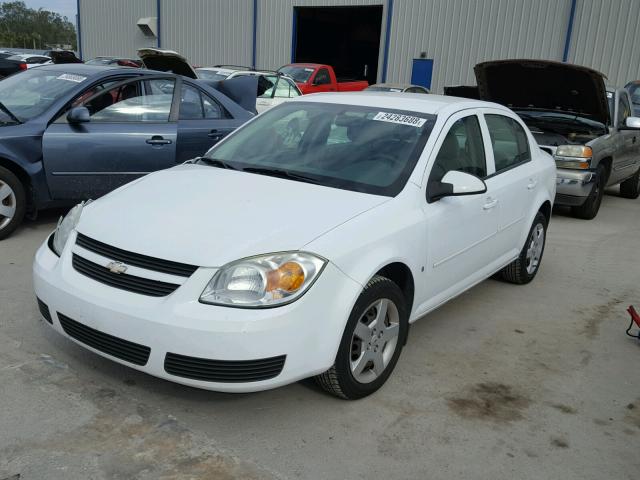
(67, 8)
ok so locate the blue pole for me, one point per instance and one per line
(255, 33)
(79, 30)
(387, 36)
(159, 20)
(567, 40)
(294, 31)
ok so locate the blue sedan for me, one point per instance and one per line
(73, 132)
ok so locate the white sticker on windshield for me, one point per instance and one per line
(70, 77)
(308, 69)
(400, 119)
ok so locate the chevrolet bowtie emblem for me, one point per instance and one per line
(117, 267)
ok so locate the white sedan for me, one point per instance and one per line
(302, 245)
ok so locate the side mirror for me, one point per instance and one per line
(78, 115)
(455, 184)
(632, 123)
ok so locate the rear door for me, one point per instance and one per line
(514, 179)
(132, 131)
(203, 122)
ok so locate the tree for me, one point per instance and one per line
(23, 27)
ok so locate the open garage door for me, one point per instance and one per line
(348, 38)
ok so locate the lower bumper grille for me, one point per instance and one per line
(114, 346)
(44, 311)
(229, 371)
(131, 283)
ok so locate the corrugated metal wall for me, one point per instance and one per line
(275, 27)
(459, 34)
(209, 32)
(109, 27)
(606, 36)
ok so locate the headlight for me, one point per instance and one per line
(264, 281)
(66, 226)
(574, 157)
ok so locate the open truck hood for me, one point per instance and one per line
(166, 61)
(544, 85)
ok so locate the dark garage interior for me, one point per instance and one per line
(348, 38)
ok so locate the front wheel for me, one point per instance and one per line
(630, 188)
(523, 269)
(371, 343)
(13, 202)
(589, 209)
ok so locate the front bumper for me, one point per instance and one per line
(307, 331)
(573, 186)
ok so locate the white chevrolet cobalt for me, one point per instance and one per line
(302, 245)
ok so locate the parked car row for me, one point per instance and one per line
(300, 242)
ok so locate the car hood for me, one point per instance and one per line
(166, 61)
(209, 216)
(544, 85)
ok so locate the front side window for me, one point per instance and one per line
(266, 84)
(624, 110)
(364, 149)
(322, 77)
(141, 101)
(462, 150)
(508, 140)
(285, 89)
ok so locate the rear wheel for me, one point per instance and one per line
(589, 209)
(371, 343)
(630, 188)
(12, 202)
(523, 269)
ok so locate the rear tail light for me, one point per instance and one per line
(22, 66)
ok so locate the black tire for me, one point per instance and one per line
(339, 380)
(630, 188)
(518, 271)
(17, 200)
(589, 209)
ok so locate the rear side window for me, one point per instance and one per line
(196, 106)
(509, 142)
(462, 150)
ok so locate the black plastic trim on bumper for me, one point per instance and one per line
(223, 371)
(116, 347)
(569, 200)
(44, 311)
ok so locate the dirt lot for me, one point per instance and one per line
(533, 382)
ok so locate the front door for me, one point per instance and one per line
(461, 230)
(131, 132)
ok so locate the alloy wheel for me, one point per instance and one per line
(374, 340)
(536, 245)
(7, 204)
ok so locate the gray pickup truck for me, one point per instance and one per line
(588, 128)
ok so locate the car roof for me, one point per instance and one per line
(87, 70)
(416, 102)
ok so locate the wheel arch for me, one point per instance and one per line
(607, 163)
(400, 274)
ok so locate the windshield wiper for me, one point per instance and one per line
(279, 173)
(214, 162)
(8, 112)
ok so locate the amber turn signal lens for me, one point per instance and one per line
(288, 277)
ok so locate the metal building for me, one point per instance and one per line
(430, 42)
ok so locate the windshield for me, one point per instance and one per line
(215, 75)
(364, 149)
(100, 61)
(299, 74)
(28, 94)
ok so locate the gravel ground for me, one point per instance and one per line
(504, 382)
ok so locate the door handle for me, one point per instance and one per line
(158, 140)
(491, 203)
(532, 184)
(215, 135)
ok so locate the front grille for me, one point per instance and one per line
(226, 371)
(131, 283)
(135, 259)
(44, 311)
(114, 346)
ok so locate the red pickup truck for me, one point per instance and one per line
(315, 77)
